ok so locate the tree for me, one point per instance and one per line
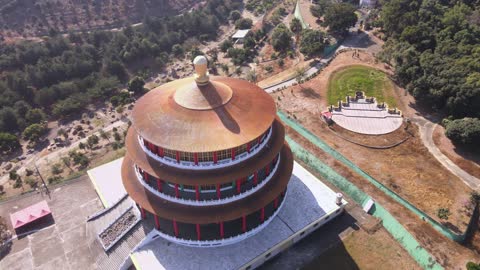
(281, 38)
(339, 17)
(35, 116)
(8, 142)
(56, 168)
(464, 131)
(105, 135)
(243, 23)
(117, 136)
(296, 26)
(117, 69)
(92, 141)
(8, 120)
(318, 9)
(300, 73)
(12, 175)
(136, 85)
(225, 45)
(34, 132)
(312, 42)
(79, 158)
(234, 15)
(238, 55)
(177, 50)
(249, 43)
(473, 266)
(252, 76)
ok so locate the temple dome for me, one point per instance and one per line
(220, 114)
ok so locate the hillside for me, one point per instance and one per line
(29, 18)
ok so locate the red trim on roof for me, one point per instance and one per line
(29, 214)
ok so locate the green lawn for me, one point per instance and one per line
(372, 82)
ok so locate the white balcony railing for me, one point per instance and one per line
(230, 199)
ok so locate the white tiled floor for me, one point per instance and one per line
(366, 118)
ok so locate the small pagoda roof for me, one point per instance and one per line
(29, 214)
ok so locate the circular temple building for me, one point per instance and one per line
(207, 159)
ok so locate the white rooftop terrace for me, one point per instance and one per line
(308, 205)
(107, 181)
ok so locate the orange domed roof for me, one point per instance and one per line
(217, 114)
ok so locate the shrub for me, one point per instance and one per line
(473, 266)
(13, 175)
(18, 183)
(31, 182)
(243, 23)
(443, 213)
(56, 168)
(117, 136)
(54, 180)
(464, 131)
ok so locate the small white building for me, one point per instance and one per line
(368, 3)
(240, 35)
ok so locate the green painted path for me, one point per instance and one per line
(332, 152)
(401, 235)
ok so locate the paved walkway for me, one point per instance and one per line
(426, 128)
(354, 40)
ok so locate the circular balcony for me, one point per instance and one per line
(209, 195)
(205, 161)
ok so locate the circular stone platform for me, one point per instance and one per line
(366, 118)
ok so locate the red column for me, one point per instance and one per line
(244, 223)
(248, 147)
(215, 158)
(175, 227)
(177, 155)
(255, 178)
(160, 151)
(157, 223)
(159, 185)
(262, 214)
(142, 213)
(275, 203)
(233, 153)
(218, 191)
(198, 232)
(267, 169)
(195, 158)
(176, 190)
(145, 176)
(239, 184)
(222, 232)
(259, 140)
(151, 146)
(197, 193)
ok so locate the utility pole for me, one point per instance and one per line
(47, 191)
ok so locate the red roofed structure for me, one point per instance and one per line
(29, 214)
